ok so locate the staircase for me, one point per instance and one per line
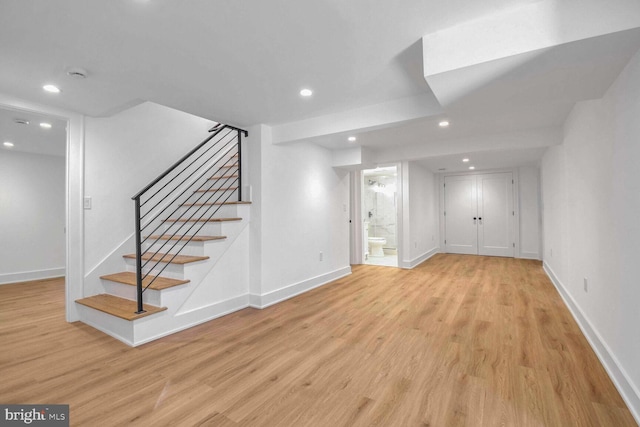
(191, 225)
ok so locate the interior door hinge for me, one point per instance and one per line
(445, 213)
(445, 241)
(512, 182)
(513, 213)
(514, 245)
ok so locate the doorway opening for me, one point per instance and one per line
(32, 170)
(380, 216)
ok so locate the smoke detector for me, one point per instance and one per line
(77, 73)
(21, 121)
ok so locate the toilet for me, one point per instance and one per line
(375, 246)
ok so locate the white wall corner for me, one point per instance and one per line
(409, 264)
(290, 291)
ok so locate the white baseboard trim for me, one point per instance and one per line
(290, 291)
(419, 260)
(529, 255)
(212, 311)
(618, 375)
(27, 276)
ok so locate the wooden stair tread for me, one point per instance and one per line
(179, 259)
(129, 278)
(216, 203)
(194, 239)
(228, 166)
(119, 307)
(203, 219)
(212, 190)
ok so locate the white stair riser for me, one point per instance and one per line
(222, 182)
(191, 248)
(208, 228)
(218, 211)
(150, 296)
(173, 271)
(213, 197)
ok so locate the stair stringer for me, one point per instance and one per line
(93, 285)
(218, 286)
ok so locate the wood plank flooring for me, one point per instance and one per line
(458, 341)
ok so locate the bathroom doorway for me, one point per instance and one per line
(380, 216)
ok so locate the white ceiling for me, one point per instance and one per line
(484, 160)
(234, 61)
(32, 138)
(244, 63)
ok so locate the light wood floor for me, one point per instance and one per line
(460, 340)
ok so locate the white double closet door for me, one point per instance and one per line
(479, 214)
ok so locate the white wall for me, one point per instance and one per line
(529, 209)
(123, 153)
(591, 194)
(303, 210)
(32, 217)
(420, 214)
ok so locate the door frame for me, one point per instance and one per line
(516, 204)
(356, 212)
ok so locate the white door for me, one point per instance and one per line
(460, 209)
(495, 214)
(479, 214)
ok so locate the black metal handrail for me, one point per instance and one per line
(194, 192)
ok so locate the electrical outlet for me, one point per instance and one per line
(321, 256)
(87, 202)
(586, 285)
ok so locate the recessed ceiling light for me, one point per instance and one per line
(351, 138)
(306, 92)
(443, 124)
(472, 167)
(45, 125)
(8, 144)
(442, 169)
(21, 121)
(465, 160)
(51, 88)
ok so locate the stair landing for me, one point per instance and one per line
(119, 307)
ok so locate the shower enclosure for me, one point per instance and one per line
(379, 212)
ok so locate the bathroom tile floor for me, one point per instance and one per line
(387, 260)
